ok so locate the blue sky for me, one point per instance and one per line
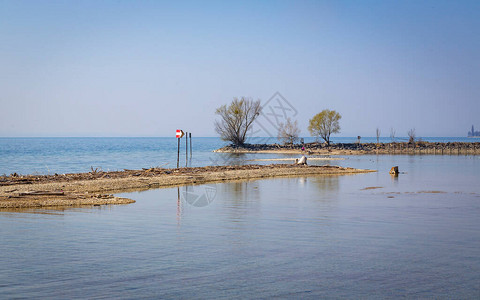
(146, 68)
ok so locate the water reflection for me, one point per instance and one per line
(233, 159)
(195, 195)
(179, 206)
(55, 210)
(242, 190)
(242, 201)
(242, 194)
(266, 239)
(394, 178)
(198, 195)
(326, 184)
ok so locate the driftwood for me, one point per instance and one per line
(41, 193)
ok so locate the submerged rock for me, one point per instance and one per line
(394, 170)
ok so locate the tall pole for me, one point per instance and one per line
(186, 149)
(178, 152)
(190, 144)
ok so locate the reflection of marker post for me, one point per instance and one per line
(179, 206)
(178, 135)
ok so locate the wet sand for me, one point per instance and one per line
(97, 187)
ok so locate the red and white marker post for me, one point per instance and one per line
(179, 134)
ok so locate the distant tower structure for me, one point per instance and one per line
(474, 133)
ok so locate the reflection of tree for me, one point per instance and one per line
(239, 188)
(232, 159)
(242, 199)
(326, 184)
(242, 191)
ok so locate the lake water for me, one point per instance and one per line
(358, 236)
(72, 155)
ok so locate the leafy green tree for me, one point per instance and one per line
(324, 124)
(236, 119)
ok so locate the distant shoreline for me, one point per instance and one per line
(96, 188)
(450, 148)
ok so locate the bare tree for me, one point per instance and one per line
(411, 136)
(236, 119)
(377, 132)
(288, 132)
(392, 134)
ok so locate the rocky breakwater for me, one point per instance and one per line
(453, 148)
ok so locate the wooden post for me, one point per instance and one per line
(190, 136)
(178, 152)
(186, 149)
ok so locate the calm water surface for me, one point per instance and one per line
(73, 155)
(413, 236)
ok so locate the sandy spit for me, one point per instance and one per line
(96, 188)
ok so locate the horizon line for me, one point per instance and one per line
(261, 137)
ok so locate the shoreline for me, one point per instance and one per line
(97, 188)
(394, 148)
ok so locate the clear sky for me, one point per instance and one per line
(146, 68)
